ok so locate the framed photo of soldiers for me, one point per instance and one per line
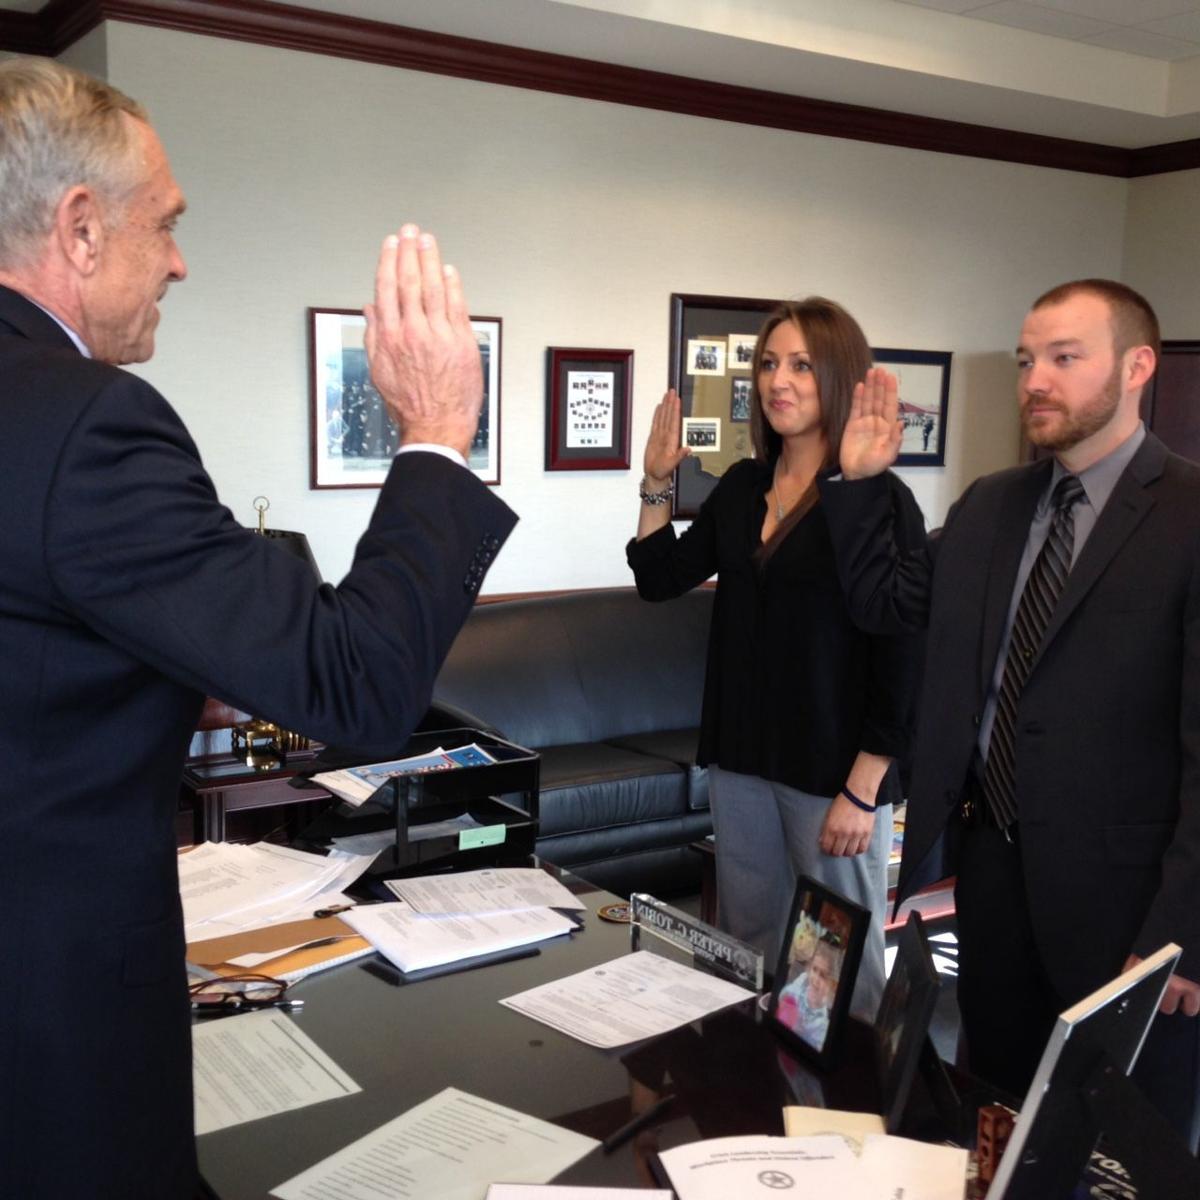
(352, 438)
(712, 350)
(588, 400)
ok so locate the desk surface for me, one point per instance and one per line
(404, 1043)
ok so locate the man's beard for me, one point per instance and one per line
(1070, 430)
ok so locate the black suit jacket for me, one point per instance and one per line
(127, 593)
(1108, 729)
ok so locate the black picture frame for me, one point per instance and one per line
(826, 929)
(902, 1023)
(588, 399)
(924, 377)
(709, 340)
(356, 451)
(704, 329)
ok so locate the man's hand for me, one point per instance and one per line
(1182, 995)
(871, 439)
(422, 351)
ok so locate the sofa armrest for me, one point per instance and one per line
(443, 715)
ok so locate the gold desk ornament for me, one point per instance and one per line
(260, 743)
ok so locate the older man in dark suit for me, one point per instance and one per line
(1059, 737)
(128, 593)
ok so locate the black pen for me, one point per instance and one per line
(636, 1124)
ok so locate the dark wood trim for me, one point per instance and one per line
(295, 28)
(23, 33)
(1159, 160)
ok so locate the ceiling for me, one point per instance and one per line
(1122, 73)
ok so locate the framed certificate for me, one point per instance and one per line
(588, 395)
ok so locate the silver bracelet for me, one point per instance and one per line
(655, 498)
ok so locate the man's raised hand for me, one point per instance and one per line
(422, 352)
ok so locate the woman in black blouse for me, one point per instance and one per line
(804, 716)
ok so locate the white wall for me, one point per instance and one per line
(1162, 248)
(574, 221)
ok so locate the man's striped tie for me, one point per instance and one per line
(1041, 593)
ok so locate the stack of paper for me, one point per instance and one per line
(415, 942)
(226, 888)
(441, 919)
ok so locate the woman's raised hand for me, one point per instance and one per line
(871, 439)
(663, 451)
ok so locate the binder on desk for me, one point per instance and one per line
(215, 953)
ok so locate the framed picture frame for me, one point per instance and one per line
(902, 1023)
(924, 377)
(351, 437)
(712, 346)
(588, 400)
(818, 964)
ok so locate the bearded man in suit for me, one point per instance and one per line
(1059, 737)
(128, 593)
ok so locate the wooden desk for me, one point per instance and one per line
(404, 1043)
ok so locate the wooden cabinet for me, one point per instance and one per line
(1171, 403)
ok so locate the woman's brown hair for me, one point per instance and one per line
(840, 359)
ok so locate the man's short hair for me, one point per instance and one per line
(1133, 320)
(59, 129)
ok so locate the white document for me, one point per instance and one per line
(413, 941)
(448, 1148)
(553, 1191)
(494, 889)
(753, 1167)
(630, 998)
(257, 1064)
(924, 1170)
(750, 1167)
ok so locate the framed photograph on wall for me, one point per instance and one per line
(924, 377)
(352, 438)
(818, 963)
(588, 397)
(712, 347)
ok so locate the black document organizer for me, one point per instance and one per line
(501, 793)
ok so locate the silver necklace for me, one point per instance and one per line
(780, 510)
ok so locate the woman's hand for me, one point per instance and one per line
(847, 829)
(872, 437)
(663, 451)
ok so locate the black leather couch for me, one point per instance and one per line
(607, 688)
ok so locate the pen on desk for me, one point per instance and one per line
(635, 1125)
(333, 910)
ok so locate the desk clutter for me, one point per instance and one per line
(645, 1013)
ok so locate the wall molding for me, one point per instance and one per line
(291, 27)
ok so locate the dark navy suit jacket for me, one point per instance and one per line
(127, 594)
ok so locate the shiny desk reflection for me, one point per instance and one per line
(402, 1043)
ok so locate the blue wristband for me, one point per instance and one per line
(857, 802)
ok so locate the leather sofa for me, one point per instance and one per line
(607, 688)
